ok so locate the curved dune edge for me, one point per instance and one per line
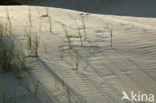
(139, 8)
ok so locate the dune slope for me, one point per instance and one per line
(87, 71)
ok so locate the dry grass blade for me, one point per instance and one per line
(9, 26)
(79, 33)
(67, 37)
(61, 49)
(111, 35)
(50, 24)
(68, 95)
(47, 12)
(77, 62)
(30, 17)
(40, 23)
(84, 27)
(110, 30)
(36, 45)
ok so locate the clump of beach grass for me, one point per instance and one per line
(7, 53)
(32, 41)
(1, 32)
(29, 40)
(10, 57)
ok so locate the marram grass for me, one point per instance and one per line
(10, 57)
(7, 52)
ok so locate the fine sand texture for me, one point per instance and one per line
(83, 57)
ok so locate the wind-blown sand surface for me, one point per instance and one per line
(104, 71)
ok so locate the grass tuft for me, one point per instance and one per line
(7, 53)
(29, 40)
(10, 57)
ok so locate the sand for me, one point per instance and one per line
(104, 72)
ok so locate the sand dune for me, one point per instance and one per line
(104, 72)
